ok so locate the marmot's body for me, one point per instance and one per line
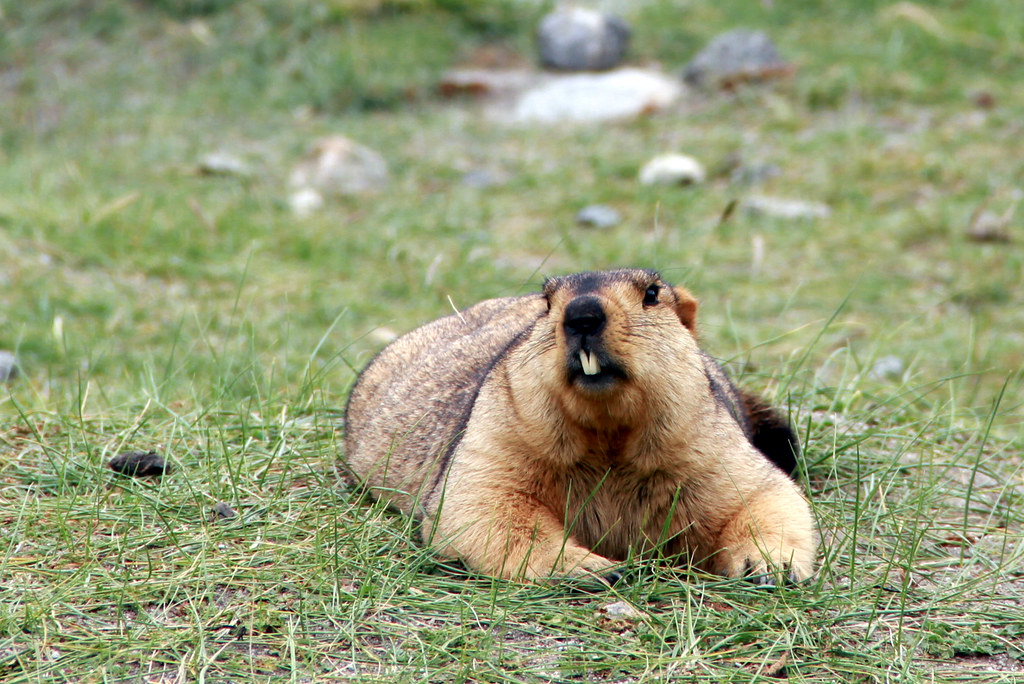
(556, 433)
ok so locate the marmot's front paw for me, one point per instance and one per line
(573, 562)
(767, 563)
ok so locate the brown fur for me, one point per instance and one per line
(484, 425)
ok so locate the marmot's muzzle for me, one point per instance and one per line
(584, 322)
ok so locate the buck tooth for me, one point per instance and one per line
(591, 366)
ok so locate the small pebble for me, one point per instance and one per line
(621, 610)
(790, 209)
(754, 173)
(887, 367)
(305, 202)
(223, 164)
(988, 226)
(736, 57)
(481, 178)
(222, 511)
(8, 366)
(598, 216)
(139, 464)
(336, 165)
(672, 169)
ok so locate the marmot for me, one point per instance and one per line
(558, 433)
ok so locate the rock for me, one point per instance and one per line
(620, 610)
(139, 464)
(8, 366)
(486, 82)
(971, 477)
(736, 57)
(789, 209)
(223, 164)
(482, 178)
(305, 201)
(598, 216)
(339, 166)
(988, 226)
(887, 367)
(672, 169)
(578, 39)
(588, 98)
(753, 174)
(222, 511)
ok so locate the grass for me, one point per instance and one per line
(154, 307)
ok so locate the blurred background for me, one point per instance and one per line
(203, 199)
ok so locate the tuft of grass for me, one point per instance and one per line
(153, 307)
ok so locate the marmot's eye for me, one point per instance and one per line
(651, 296)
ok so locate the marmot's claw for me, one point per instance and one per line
(760, 574)
(612, 578)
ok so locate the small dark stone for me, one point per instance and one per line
(139, 464)
(222, 511)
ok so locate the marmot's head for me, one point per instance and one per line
(615, 333)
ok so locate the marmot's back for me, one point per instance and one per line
(408, 408)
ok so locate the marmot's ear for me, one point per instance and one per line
(686, 308)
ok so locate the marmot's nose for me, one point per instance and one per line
(584, 316)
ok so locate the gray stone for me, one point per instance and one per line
(598, 216)
(591, 98)
(988, 226)
(223, 164)
(8, 366)
(139, 464)
(578, 39)
(887, 367)
(788, 209)
(754, 174)
(672, 169)
(736, 57)
(338, 166)
(222, 511)
(482, 178)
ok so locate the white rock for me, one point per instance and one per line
(339, 166)
(598, 216)
(587, 98)
(672, 169)
(621, 611)
(789, 209)
(223, 164)
(887, 367)
(305, 201)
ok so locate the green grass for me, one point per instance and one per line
(155, 307)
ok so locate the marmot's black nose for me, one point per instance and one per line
(584, 316)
